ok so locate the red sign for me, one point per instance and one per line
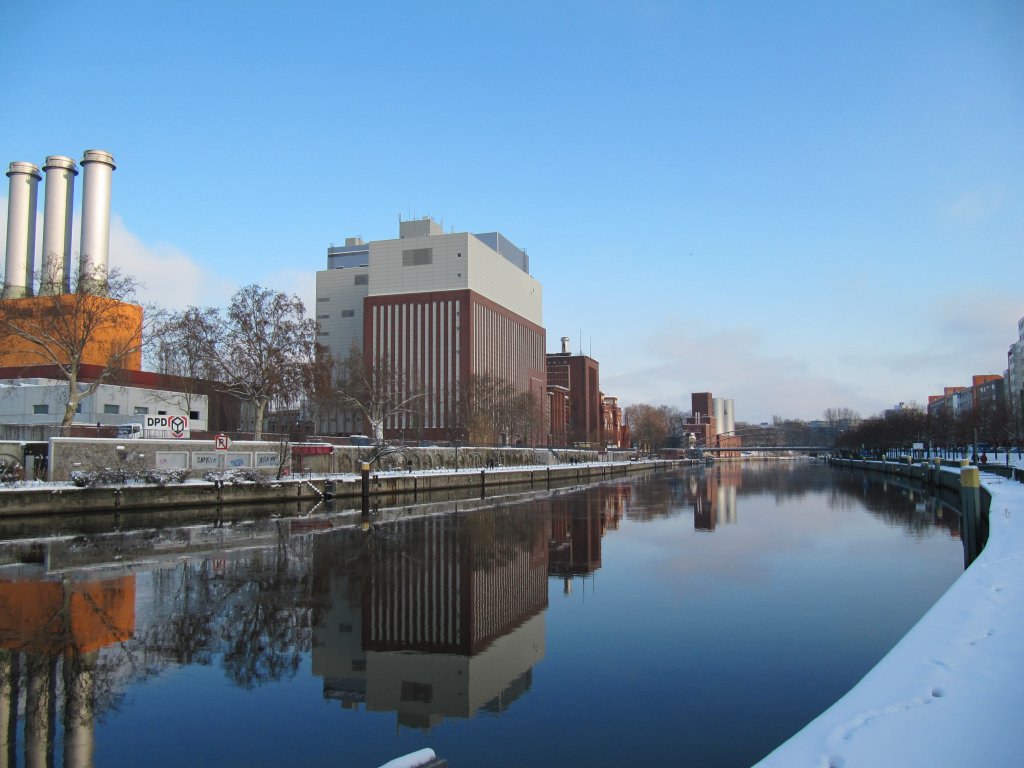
(221, 443)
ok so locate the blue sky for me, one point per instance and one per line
(798, 205)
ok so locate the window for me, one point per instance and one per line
(323, 333)
(320, 299)
(161, 413)
(323, 317)
(417, 257)
(348, 313)
(78, 408)
(141, 410)
(40, 409)
(193, 414)
(361, 280)
(358, 665)
(111, 408)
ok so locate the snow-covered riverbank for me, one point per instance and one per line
(950, 693)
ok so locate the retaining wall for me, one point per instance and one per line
(70, 500)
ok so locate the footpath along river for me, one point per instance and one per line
(699, 616)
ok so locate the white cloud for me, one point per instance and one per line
(169, 276)
(974, 206)
(731, 363)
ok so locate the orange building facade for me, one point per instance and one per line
(105, 329)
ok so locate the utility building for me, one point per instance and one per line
(440, 311)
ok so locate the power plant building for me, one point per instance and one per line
(438, 310)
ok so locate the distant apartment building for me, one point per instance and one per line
(1015, 377)
(438, 310)
(987, 394)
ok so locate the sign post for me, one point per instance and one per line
(221, 443)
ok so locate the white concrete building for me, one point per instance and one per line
(438, 309)
(41, 401)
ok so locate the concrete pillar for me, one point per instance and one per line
(58, 211)
(21, 229)
(98, 170)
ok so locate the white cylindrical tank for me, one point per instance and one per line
(730, 415)
(21, 229)
(57, 215)
(97, 172)
(718, 407)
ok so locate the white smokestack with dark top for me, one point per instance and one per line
(97, 172)
(21, 229)
(58, 212)
(565, 345)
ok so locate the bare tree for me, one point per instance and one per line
(176, 349)
(649, 425)
(262, 347)
(378, 392)
(97, 324)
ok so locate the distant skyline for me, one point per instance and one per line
(795, 205)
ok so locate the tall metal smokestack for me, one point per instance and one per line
(718, 406)
(21, 229)
(565, 345)
(730, 415)
(97, 169)
(57, 214)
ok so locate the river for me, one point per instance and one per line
(688, 617)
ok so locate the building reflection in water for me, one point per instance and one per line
(433, 617)
(712, 495)
(51, 633)
(577, 528)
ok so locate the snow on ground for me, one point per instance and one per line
(951, 692)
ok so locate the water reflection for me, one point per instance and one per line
(51, 635)
(432, 617)
(431, 613)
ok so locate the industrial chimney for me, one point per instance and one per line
(718, 406)
(57, 215)
(21, 229)
(565, 345)
(97, 169)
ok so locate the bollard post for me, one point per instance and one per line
(366, 489)
(970, 511)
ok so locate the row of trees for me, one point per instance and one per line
(987, 423)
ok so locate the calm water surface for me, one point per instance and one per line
(686, 618)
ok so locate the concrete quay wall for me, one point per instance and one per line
(71, 454)
(51, 500)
